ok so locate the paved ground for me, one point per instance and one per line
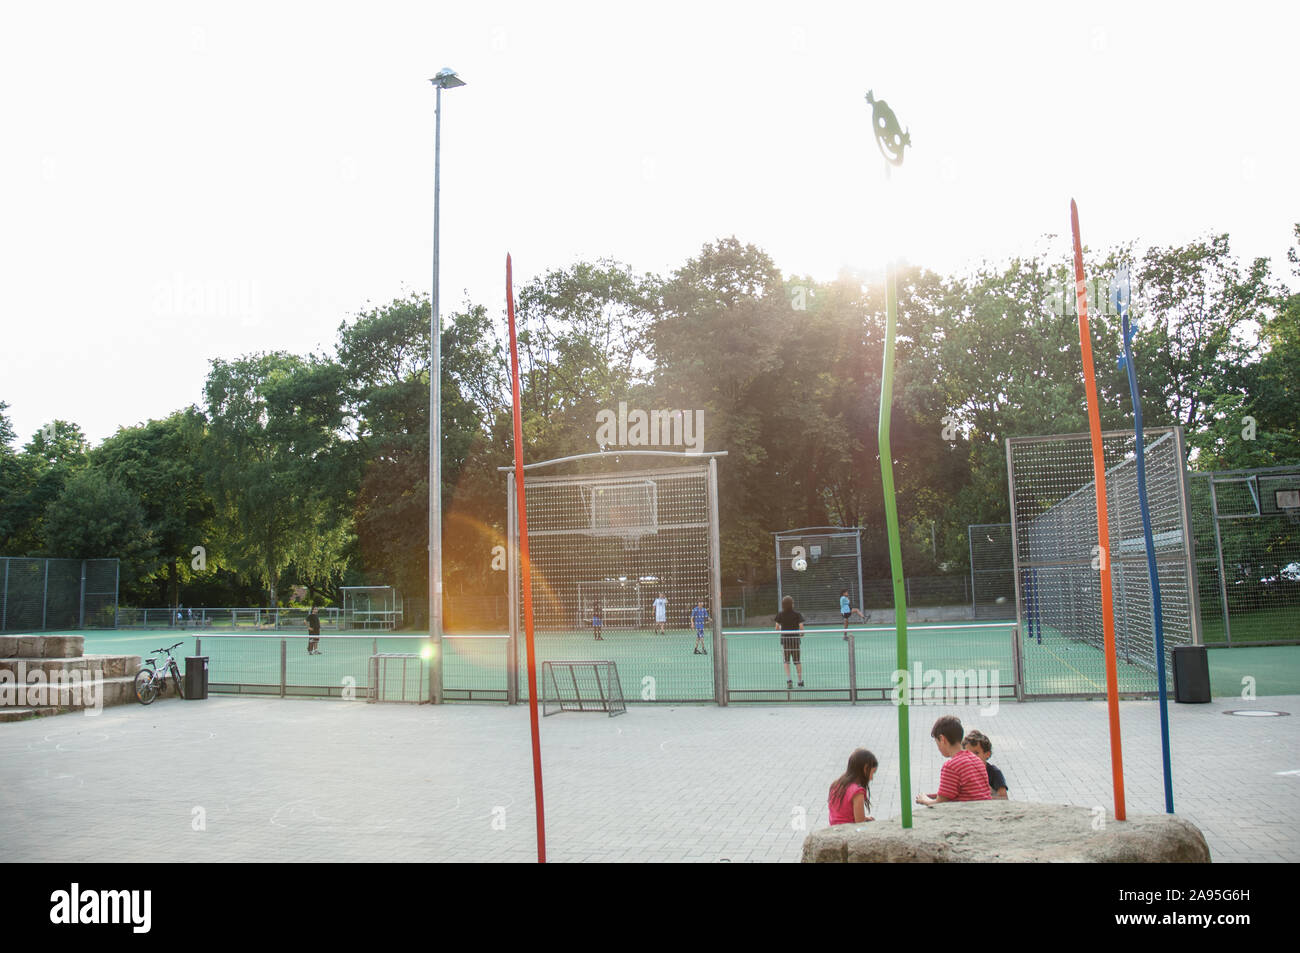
(305, 780)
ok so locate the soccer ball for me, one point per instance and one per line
(799, 564)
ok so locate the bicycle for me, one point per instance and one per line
(150, 681)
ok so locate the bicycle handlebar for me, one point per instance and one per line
(168, 649)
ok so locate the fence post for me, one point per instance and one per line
(723, 693)
(715, 589)
(853, 672)
(284, 665)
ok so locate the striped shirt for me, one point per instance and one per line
(963, 777)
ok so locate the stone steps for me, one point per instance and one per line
(42, 646)
(23, 714)
(49, 674)
(117, 690)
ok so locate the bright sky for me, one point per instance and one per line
(182, 182)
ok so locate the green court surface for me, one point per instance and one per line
(664, 668)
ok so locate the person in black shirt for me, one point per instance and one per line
(978, 742)
(790, 624)
(313, 629)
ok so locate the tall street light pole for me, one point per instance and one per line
(446, 79)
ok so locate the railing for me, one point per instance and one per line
(252, 618)
(953, 664)
(270, 664)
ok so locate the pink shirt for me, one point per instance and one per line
(963, 777)
(842, 813)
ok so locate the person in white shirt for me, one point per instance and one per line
(661, 614)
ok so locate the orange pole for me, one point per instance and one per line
(527, 571)
(1103, 527)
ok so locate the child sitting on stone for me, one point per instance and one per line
(963, 777)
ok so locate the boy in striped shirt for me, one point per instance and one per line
(963, 777)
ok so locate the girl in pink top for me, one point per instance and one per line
(850, 796)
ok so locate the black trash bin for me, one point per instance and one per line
(196, 677)
(1191, 674)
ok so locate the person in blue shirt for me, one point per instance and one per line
(847, 610)
(698, 617)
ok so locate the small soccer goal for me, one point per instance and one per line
(581, 686)
(814, 565)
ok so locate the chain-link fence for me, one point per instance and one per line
(1247, 525)
(53, 595)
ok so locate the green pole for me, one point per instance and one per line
(895, 544)
(891, 140)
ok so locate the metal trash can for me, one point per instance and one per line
(1191, 674)
(196, 677)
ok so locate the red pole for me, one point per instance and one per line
(527, 572)
(1103, 523)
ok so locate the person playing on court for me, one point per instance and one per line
(699, 616)
(979, 743)
(596, 624)
(661, 613)
(850, 796)
(962, 778)
(790, 624)
(846, 610)
(313, 632)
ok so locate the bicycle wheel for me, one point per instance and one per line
(145, 690)
(176, 675)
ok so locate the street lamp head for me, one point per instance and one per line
(447, 79)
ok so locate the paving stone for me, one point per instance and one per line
(298, 779)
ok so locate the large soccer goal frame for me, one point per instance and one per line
(613, 530)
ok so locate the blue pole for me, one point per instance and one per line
(1151, 561)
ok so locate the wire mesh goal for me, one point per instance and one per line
(624, 561)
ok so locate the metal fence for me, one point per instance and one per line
(282, 666)
(228, 618)
(1058, 561)
(1247, 525)
(52, 595)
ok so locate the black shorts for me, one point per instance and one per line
(846, 615)
(790, 648)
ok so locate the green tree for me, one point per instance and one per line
(32, 480)
(273, 422)
(162, 464)
(94, 517)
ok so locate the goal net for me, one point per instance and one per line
(581, 686)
